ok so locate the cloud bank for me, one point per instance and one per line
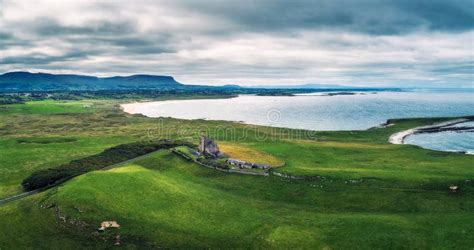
(363, 43)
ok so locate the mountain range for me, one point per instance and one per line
(26, 81)
(22, 81)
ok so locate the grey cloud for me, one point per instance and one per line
(122, 34)
(8, 40)
(455, 68)
(124, 45)
(143, 45)
(366, 16)
(42, 59)
(453, 15)
(51, 27)
(5, 40)
(248, 41)
(5, 36)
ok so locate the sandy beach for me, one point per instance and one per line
(399, 137)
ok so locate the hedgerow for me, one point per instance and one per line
(111, 156)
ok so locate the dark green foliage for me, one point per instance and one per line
(11, 99)
(111, 156)
(46, 140)
(213, 163)
(181, 93)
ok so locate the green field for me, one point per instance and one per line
(360, 191)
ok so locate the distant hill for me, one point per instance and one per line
(26, 81)
(30, 82)
(303, 86)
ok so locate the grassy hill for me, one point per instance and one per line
(165, 201)
(361, 192)
(26, 81)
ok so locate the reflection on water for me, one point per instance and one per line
(447, 140)
(343, 112)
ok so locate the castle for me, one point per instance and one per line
(208, 147)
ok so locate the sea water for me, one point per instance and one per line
(447, 140)
(322, 113)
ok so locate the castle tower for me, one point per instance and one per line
(208, 147)
(202, 144)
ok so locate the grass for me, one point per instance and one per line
(250, 155)
(18, 159)
(359, 160)
(190, 206)
(366, 193)
(48, 107)
(186, 151)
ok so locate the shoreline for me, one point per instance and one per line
(399, 137)
(396, 138)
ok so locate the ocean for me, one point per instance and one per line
(447, 140)
(322, 113)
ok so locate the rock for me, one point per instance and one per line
(117, 240)
(352, 181)
(48, 206)
(106, 224)
(78, 209)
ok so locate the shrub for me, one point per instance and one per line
(213, 163)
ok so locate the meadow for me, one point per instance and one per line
(360, 191)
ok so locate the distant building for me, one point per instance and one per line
(248, 165)
(238, 163)
(208, 147)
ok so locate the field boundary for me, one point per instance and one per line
(216, 168)
(270, 172)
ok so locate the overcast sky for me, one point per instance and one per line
(370, 43)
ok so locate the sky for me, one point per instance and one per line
(398, 43)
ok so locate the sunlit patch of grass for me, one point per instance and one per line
(354, 145)
(130, 168)
(241, 152)
(49, 107)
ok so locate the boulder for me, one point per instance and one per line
(108, 224)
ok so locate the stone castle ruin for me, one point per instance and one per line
(209, 147)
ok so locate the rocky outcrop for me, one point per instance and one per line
(108, 224)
